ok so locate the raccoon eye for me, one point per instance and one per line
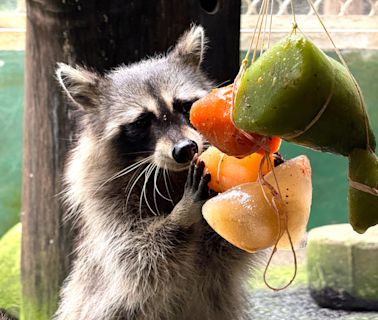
(186, 106)
(142, 122)
(183, 106)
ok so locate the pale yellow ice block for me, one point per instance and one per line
(243, 217)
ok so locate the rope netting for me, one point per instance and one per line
(323, 7)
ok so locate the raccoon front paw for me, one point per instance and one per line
(196, 192)
(196, 186)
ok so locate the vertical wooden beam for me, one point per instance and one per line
(99, 34)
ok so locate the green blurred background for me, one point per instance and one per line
(329, 171)
(11, 115)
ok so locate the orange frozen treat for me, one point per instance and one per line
(211, 116)
(227, 171)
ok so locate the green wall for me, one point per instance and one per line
(11, 115)
(329, 171)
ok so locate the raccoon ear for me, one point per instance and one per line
(190, 48)
(79, 84)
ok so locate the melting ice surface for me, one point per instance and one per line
(236, 194)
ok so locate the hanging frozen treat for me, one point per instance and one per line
(297, 92)
(211, 116)
(227, 171)
(363, 189)
(252, 217)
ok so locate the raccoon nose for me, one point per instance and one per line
(184, 150)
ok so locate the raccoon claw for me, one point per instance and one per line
(197, 181)
(188, 210)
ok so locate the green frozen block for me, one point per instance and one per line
(285, 89)
(363, 206)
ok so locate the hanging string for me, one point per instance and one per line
(246, 58)
(282, 218)
(295, 24)
(265, 4)
(282, 215)
(219, 167)
(244, 62)
(271, 21)
(264, 31)
(362, 187)
(262, 142)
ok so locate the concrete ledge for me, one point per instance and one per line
(343, 267)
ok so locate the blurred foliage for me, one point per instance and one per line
(10, 282)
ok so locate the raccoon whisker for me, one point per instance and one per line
(156, 188)
(133, 185)
(137, 171)
(156, 185)
(137, 164)
(143, 195)
(223, 83)
(124, 171)
(144, 187)
(169, 180)
(137, 152)
(166, 185)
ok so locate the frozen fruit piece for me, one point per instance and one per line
(227, 171)
(286, 88)
(363, 206)
(243, 217)
(211, 116)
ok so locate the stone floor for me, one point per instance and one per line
(297, 304)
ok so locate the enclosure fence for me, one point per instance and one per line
(334, 7)
(353, 24)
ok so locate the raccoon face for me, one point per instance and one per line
(143, 109)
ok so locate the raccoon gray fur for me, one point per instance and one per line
(144, 251)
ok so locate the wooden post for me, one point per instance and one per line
(99, 34)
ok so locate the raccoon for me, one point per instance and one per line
(135, 191)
